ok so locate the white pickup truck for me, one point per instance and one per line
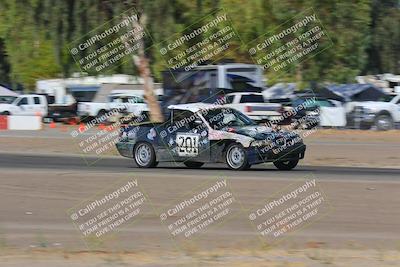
(121, 102)
(254, 106)
(383, 114)
(25, 105)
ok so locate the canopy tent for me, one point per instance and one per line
(240, 83)
(7, 92)
(280, 90)
(352, 92)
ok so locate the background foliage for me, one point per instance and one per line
(34, 34)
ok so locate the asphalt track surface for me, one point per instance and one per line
(37, 190)
(119, 164)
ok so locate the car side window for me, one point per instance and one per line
(325, 103)
(23, 101)
(36, 100)
(139, 100)
(115, 99)
(229, 99)
(184, 119)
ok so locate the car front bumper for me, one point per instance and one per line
(259, 155)
(364, 119)
(125, 149)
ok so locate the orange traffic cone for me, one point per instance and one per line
(81, 128)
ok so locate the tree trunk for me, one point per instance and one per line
(142, 63)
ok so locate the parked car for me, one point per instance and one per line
(306, 117)
(122, 102)
(254, 106)
(383, 114)
(315, 111)
(199, 133)
(26, 105)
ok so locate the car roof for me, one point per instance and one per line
(125, 94)
(245, 93)
(25, 95)
(226, 65)
(194, 107)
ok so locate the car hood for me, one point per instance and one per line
(4, 106)
(373, 104)
(259, 132)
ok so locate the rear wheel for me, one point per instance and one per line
(101, 115)
(286, 165)
(193, 164)
(144, 155)
(236, 157)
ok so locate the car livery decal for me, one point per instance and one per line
(222, 135)
(187, 144)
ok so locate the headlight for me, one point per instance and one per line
(369, 110)
(364, 110)
(259, 143)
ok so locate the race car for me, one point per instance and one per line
(201, 133)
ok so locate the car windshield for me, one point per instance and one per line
(309, 105)
(253, 98)
(386, 98)
(220, 118)
(7, 99)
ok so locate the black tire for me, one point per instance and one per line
(144, 155)
(193, 164)
(286, 165)
(364, 126)
(101, 113)
(6, 113)
(236, 157)
(384, 122)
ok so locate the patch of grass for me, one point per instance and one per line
(3, 241)
(42, 240)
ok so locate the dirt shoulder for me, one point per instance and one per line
(232, 258)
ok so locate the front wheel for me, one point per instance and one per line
(384, 122)
(236, 157)
(144, 155)
(286, 165)
(193, 164)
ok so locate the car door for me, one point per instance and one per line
(188, 137)
(117, 102)
(397, 112)
(332, 113)
(38, 106)
(136, 105)
(23, 106)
